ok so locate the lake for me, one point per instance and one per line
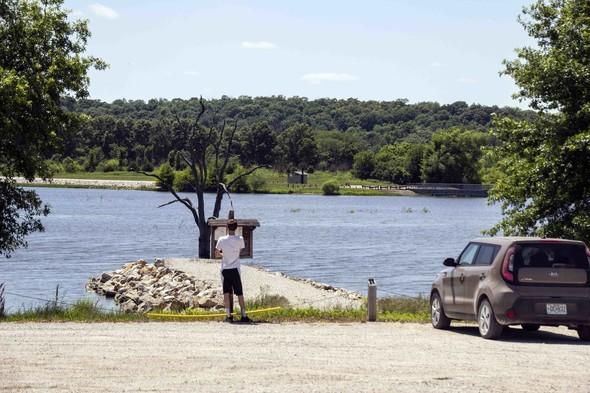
(400, 241)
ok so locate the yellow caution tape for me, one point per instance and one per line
(167, 315)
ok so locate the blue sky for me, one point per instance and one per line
(422, 50)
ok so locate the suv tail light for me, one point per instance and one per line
(508, 265)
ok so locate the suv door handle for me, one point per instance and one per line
(462, 278)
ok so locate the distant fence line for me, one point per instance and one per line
(433, 189)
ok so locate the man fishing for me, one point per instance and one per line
(229, 246)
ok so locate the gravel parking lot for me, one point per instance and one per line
(213, 356)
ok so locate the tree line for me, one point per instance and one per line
(287, 133)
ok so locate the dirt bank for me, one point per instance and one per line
(213, 357)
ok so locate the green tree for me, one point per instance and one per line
(41, 63)
(399, 163)
(453, 156)
(390, 164)
(298, 147)
(257, 145)
(544, 164)
(363, 164)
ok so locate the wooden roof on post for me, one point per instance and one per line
(242, 222)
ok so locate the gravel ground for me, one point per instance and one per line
(256, 280)
(213, 357)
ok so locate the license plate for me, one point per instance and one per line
(556, 309)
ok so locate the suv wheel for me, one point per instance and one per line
(584, 332)
(437, 313)
(530, 327)
(486, 319)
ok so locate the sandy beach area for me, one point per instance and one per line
(330, 357)
(300, 293)
(93, 183)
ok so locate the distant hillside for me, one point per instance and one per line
(398, 119)
(138, 134)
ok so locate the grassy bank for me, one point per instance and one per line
(390, 310)
(270, 182)
(81, 311)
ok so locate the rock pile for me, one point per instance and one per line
(140, 287)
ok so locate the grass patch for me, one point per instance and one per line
(265, 300)
(415, 310)
(398, 309)
(410, 305)
(82, 311)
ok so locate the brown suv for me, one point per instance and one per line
(515, 281)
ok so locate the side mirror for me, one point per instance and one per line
(450, 262)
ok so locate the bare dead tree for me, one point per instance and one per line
(207, 152)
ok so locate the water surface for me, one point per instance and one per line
(400, 241)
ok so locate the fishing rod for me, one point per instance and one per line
(231, 202)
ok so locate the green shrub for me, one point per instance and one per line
(147, 167)
(111, 165)
(54, 167)
(167, 174)
(257, 182)
(93, 158)
(331, 188)
(241, 185)
(71, 166)
(183, 180)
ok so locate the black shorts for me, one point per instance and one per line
(232, 282)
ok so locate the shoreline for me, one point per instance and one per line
(183, 283)
(148, 185)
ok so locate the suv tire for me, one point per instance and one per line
(489, 328)
(584, 332)
(437, 313)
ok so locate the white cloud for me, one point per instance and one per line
(468, 81)
(318, 78)
(191, 73)
(436, 64)
(258, 45)
(104, 11)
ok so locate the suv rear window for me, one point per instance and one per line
(551, 255)
(486, 254)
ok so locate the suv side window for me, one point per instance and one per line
(486, 254)
(468, 255)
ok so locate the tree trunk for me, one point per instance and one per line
(204, 241)
(218, 199)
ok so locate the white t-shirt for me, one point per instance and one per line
(230, 245)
